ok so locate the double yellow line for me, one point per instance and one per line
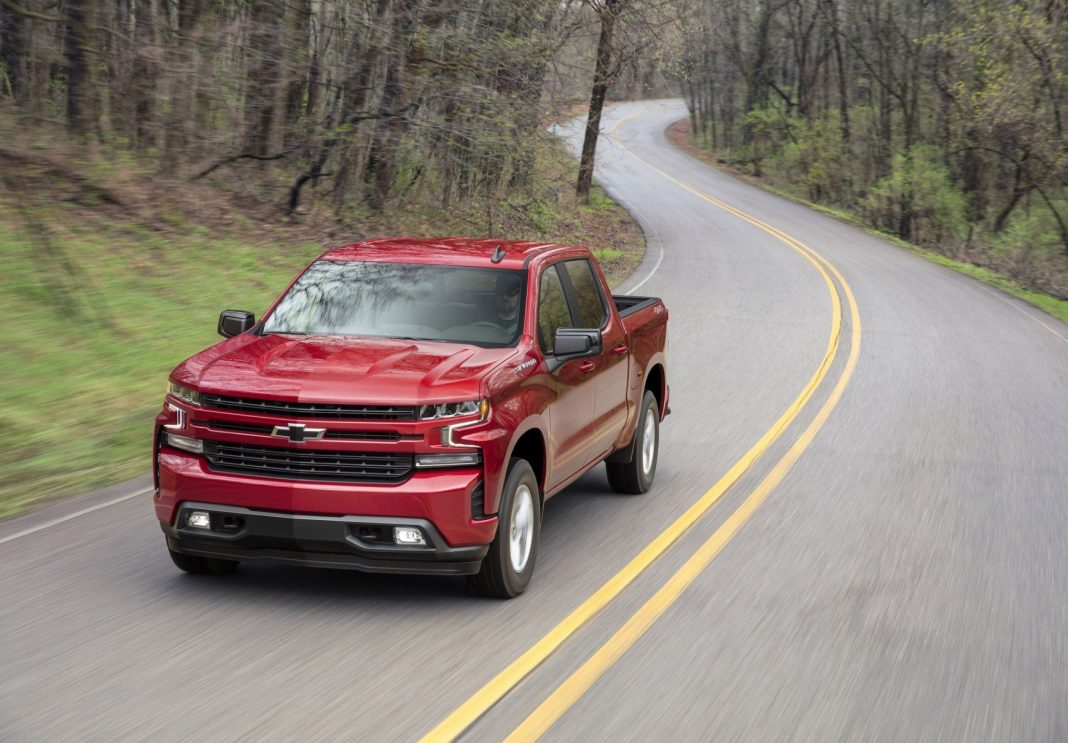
(572, 689)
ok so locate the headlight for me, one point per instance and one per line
(454, 410)
(184, 393)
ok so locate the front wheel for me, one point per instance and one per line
(636, 476)
(508, 565)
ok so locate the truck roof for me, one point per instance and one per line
(454, 251)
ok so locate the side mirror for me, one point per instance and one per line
(235, 322)
(574, 343)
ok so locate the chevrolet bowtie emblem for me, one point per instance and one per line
(298, 433)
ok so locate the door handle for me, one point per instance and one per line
(621, 349)
(587, 366)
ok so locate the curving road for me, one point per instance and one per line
(890, 565)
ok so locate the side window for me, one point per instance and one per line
(589, 304)
(552, 308)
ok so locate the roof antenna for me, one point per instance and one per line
(498, 254)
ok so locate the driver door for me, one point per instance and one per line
(571, 412)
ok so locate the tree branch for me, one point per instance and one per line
(19, 10)
(786, 98)
(243, 156)
(33, 15)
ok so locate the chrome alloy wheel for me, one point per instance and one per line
(648, 442)
(521, 536)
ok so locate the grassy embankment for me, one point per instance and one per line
(680, 135)
(99, 301)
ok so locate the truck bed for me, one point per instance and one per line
(628, 305)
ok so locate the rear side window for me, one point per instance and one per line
(552, 308)
(589, 304)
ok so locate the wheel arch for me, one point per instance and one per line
(530, 446)
(656, 382)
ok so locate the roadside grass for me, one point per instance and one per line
(80, 391)
(679, 135)
(605, 255)
(95, 315)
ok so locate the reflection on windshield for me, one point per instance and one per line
(403, 300)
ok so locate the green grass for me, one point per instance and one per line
(80, 392)
(605, 255)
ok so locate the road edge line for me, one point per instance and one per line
(70, 516)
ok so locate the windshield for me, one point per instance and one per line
(482, 306)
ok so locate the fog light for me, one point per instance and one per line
(186, 443)
(408, 535)
(466, 459)
(199, 519)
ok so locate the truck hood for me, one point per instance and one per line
(341, 370)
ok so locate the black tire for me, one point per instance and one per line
(634, 477)
(197, 565)
(498, 576)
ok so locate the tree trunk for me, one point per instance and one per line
(363, 59)
(757, 78)
(394, 112)
(299, 67)
(144, 78)
(181, 83)
(11, 53)
(264, 74)
(601, 81)
(80, 60)
(382, 165)
(524, 94)
(843, 89)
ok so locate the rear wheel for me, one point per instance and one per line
(636, 476)
(508, 565)
(202, 565)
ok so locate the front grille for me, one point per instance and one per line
(307, 464)
(309, 409)
(337, 435)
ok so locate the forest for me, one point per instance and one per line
(938, 121)
(941, 122)
(358, 102)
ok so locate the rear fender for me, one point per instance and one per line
(624, 448)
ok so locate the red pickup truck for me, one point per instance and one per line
(408, 406)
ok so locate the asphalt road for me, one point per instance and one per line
(905, 579)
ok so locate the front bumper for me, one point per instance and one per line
(350, 542)
(441, 497)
